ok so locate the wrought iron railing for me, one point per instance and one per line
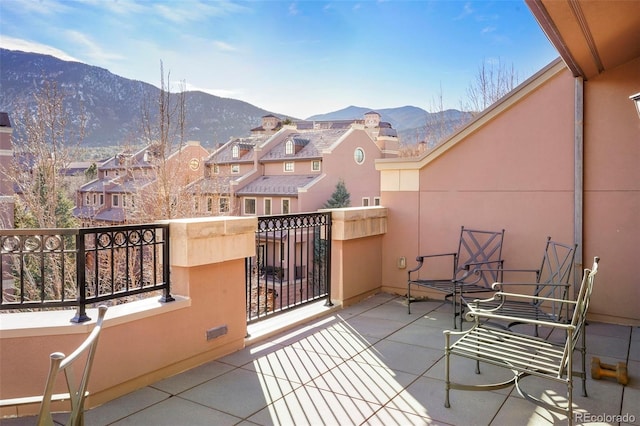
(292, 265)
(57, 268)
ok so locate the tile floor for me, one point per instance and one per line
(369, 364)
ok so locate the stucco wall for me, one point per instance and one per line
(514, 169)
(612, 191)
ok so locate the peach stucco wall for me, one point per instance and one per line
(612, 191)
(514, 168)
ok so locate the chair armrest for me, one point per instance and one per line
(420, 260)
(475, 313)
(500, 285)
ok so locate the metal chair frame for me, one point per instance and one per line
(552, 280)
(76, 386)
(523, 354)
(476, 249)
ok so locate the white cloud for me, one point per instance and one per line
(92, 50)
(225, 47)
(30, 46)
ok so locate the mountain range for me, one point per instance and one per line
(113, 105)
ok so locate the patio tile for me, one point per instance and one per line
(239, 392)
(400, 357)
(425, 398)
(631, 405)
(390, 416)
(335, 341)
(420, 335)
(297, 366)
(374, 327)
(371, 383)
(395, 310)
(462, 370)
(190, 378)
(312, 406)
(177, 411)
(249, 354)
(518, 411)
(124, 406)
(634, 349)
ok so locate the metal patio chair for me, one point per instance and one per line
(523, 354)
(551, 281)
(476, 249)
(81, 358)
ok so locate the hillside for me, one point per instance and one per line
(113, 105)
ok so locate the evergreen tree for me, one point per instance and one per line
(339, 198)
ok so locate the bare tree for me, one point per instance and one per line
(45, 141)
(164, 126)
(493, 81)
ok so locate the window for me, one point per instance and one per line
(235, 152)
(358, 155)
(235, 169)
(95, 199)
(315, 166)
(288, 148)
(267, 206)
(196, 205)
(124, 201)
(87, 200)
(216, 169)
(115, 200)
(223, 205)
(101, 199)
(365, 201)
(285, 206)
(288, 166)
(376, 201)
(133, 201)
(249, 206)
(209, 204)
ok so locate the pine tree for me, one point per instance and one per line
(339, 198)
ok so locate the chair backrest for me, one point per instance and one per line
(80, 359)
(480, 247)
(556, 267)
(579, 317)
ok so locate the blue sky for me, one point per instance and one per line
(295, 58)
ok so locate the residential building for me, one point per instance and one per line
(281, 169)
(129, 185)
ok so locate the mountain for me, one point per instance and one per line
(412, 123)
(113, 105)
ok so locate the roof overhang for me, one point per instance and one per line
(591, 36)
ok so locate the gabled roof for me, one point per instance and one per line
(224, 154)
(316, 141)
(279, 185)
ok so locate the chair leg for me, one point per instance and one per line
(409, 298)
(446, 372)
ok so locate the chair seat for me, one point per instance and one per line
(519, 352)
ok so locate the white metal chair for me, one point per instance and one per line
(551, 281)
(77, 386)
(523, 354)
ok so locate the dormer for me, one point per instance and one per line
(293, 145)
(240, 149)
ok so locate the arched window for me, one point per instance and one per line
(288, 148)
(235, 152)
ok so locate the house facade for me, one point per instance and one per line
(128, 186)
(558, 156)
(282, 169)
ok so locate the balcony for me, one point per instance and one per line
(363, 360)
(370, 363)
